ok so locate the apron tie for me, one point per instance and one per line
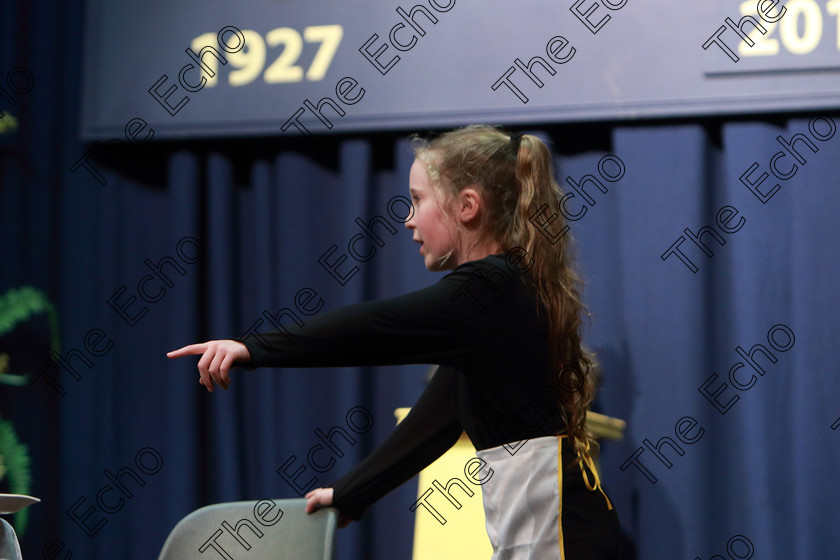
(585, 460)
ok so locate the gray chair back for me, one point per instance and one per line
(260, 530)
(9, 548)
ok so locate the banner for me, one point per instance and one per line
(177, 69)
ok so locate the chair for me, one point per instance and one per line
(259, 530)
(9, 548)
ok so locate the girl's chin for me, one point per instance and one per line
(434, 265)
(430, 263)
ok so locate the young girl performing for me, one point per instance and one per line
(504, 327)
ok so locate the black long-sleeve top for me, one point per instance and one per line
(481, 323)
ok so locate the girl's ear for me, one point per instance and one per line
(470, 205)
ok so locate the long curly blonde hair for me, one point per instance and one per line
(521, 195)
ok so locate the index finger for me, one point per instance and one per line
(189, 350)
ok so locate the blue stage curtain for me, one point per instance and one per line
(262, 212)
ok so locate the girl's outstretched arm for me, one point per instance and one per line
(454, 322)
(217, 358)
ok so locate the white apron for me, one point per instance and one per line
(522, 499)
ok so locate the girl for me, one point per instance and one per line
(504, 327)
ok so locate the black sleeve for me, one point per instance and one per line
(442, 324)
(426, 433)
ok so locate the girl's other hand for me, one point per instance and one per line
(217, 357)
(322, 497)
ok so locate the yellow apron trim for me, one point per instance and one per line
(560, 490)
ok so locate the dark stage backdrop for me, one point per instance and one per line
(749, 466)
